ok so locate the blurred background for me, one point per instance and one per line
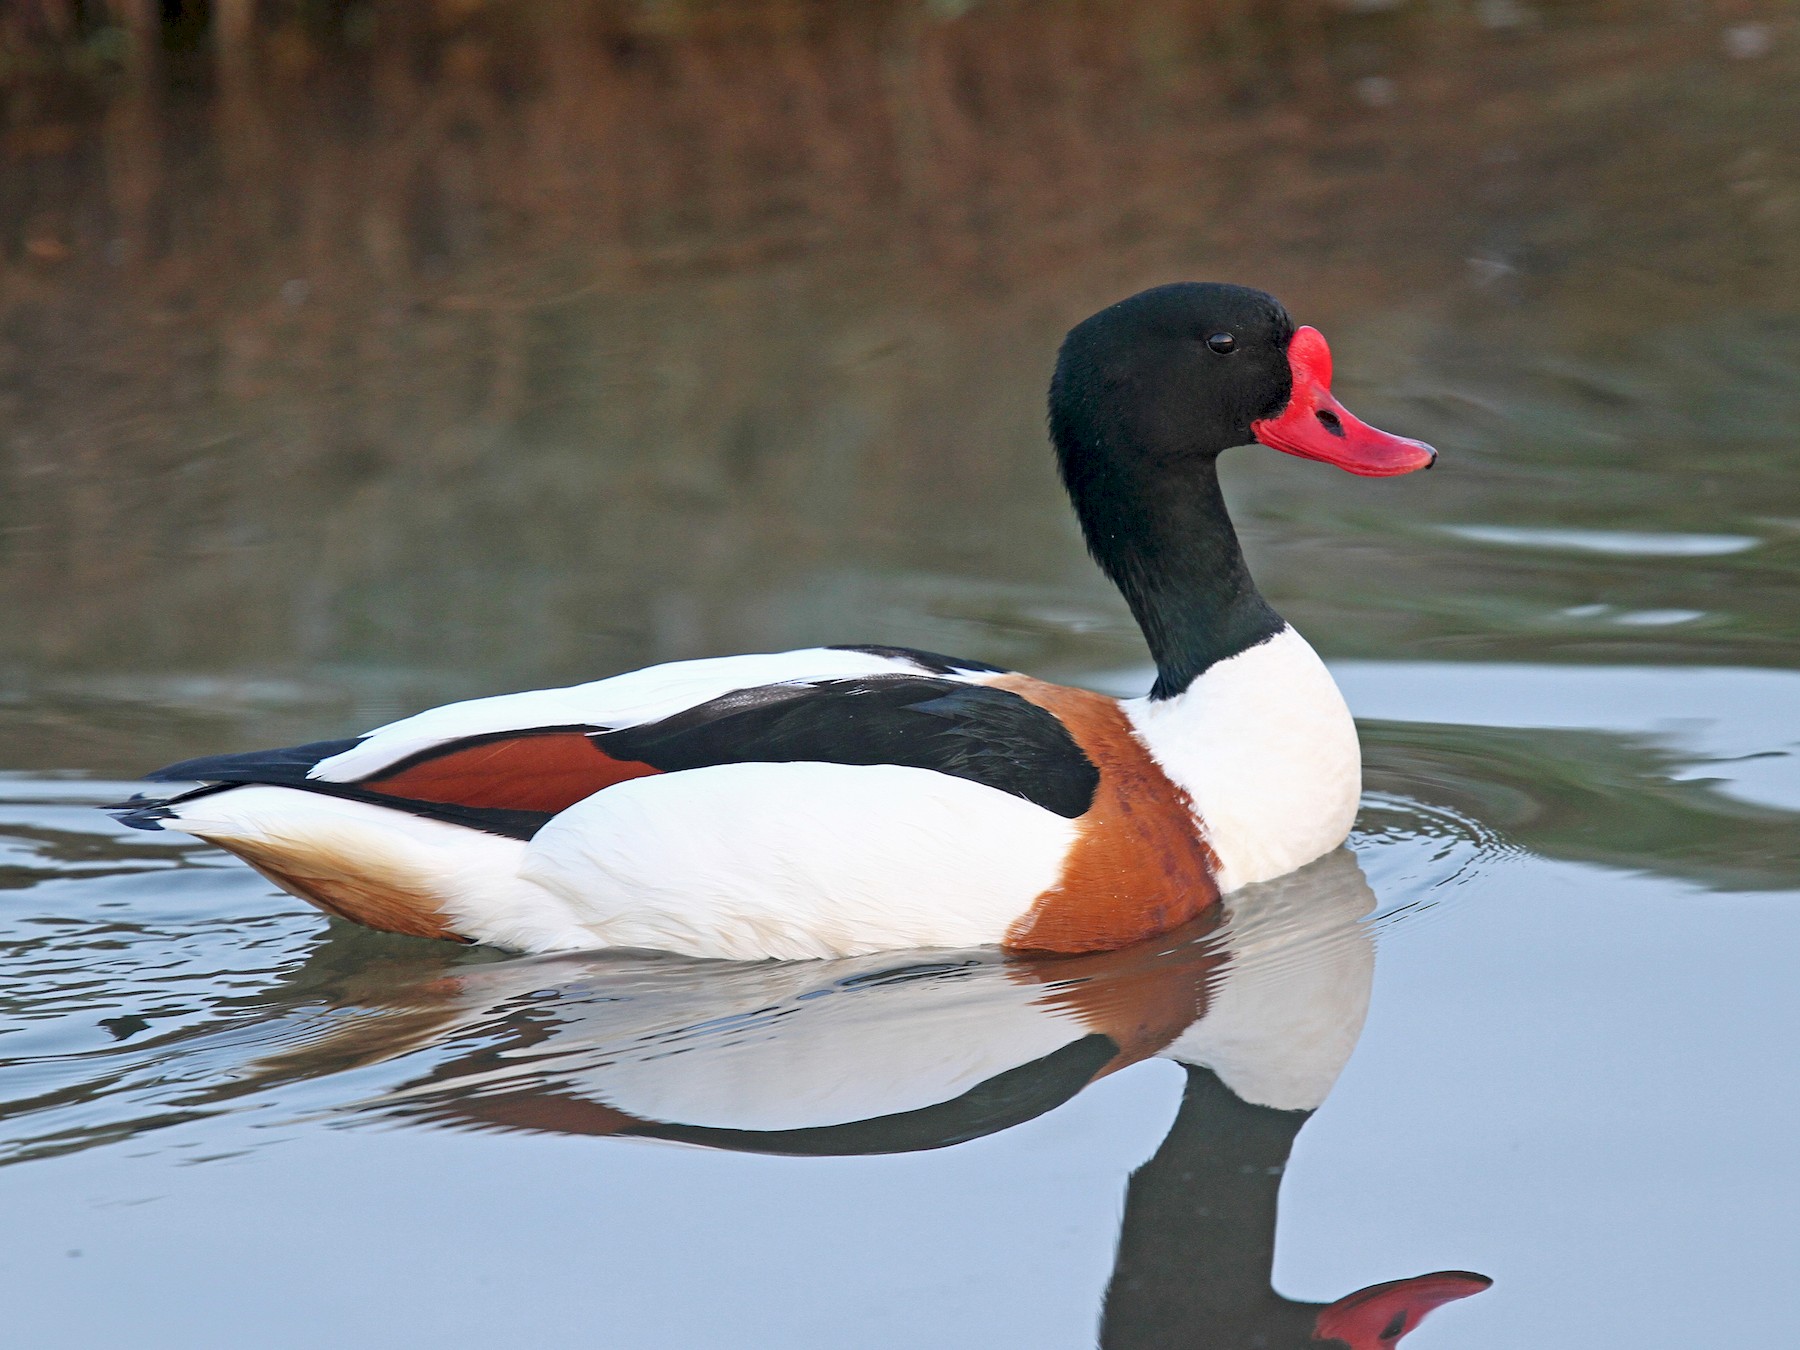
(355, 356)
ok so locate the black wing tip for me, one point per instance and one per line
(148, 813)
(256, 766)
(140, 813)
(933, 663)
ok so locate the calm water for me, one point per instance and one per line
(422, 351)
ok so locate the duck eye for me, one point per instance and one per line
(1221, 342)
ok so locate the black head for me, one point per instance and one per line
(1172, 372)
(1146, 394)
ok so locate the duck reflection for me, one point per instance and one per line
(1198, 1240)
(1260, 1004)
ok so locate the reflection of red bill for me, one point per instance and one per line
(1377, 1317)
(1314, 425)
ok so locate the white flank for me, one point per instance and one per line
(627, 700)
(1265, 746)
(473, 876)
(742, 861)
(798, 860)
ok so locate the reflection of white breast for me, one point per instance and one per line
(1287, 1011)
(825, 1054)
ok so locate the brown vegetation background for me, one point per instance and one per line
(424, 347)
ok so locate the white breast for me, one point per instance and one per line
(1264, 745)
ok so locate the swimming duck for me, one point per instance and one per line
(839, 801)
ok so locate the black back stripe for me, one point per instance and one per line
(288, 765)
(988, 736)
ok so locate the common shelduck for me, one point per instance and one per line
(836, 801)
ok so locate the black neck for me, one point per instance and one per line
(1167, 543)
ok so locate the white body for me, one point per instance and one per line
(807, 860)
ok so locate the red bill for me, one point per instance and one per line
(1314, 425)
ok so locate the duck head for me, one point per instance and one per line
(1194, 368)
(1146, 395)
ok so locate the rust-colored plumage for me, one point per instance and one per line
(546, 771)
(350, 891)
(1139, 866)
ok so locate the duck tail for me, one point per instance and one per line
(148, 813)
